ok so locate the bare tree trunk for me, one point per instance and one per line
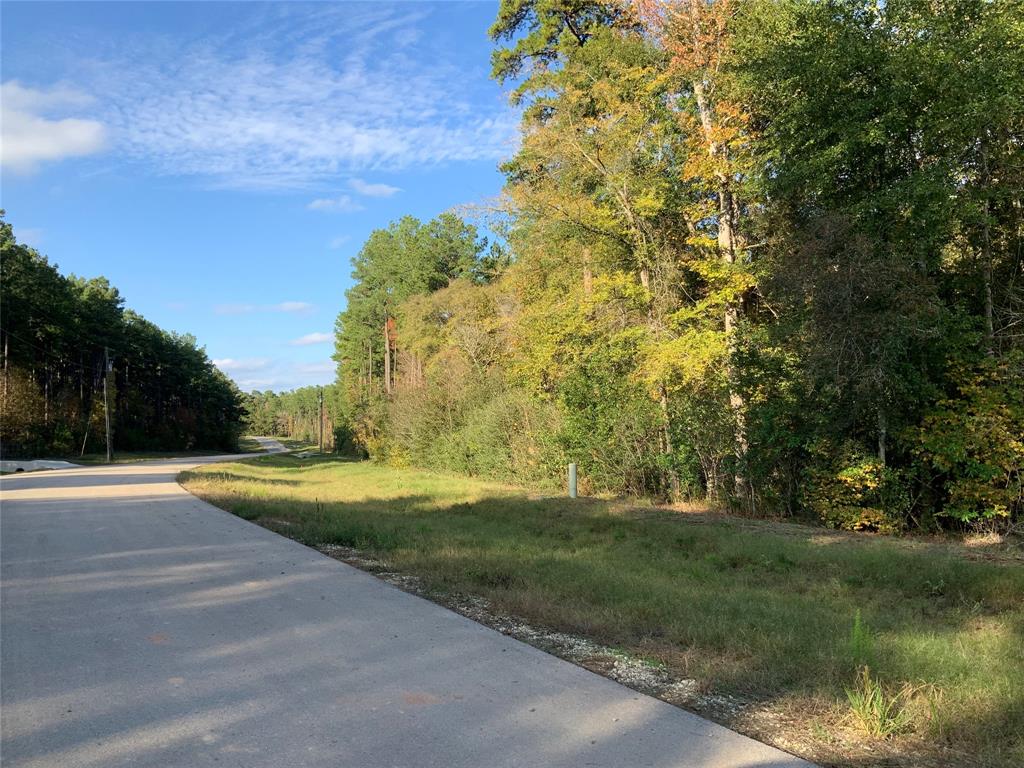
(728, 210)
(986, 257)
(387, 358)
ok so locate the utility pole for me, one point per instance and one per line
(106, 404)
(321, 419)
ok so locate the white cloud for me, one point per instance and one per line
(276, 374)
(372, 190)
(30, 236)
(342, 204)
(336, 242)
(234, 309)
(312, 338)
(30, 135)
(303, 307)
(316, 368)
(233, 365)
(294, 306)
(296, 97)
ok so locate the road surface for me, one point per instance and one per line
(143, 627)
(270, 445)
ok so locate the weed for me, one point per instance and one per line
(860, 644)
(878, 713)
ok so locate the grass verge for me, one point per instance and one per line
(130, 457)
(784, 617)
(247, 444)
(296, 444)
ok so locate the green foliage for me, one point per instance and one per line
(296, 415)
(540, 31)
(611, 426)
(165, 394)
(878, 713)
(766, 254)
(974, 442)
(854, 492)
(861, 643)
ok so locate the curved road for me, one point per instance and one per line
(143, 627)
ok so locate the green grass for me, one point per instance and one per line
(130, 457)
(295, 444)
(247, 444)
(782, 613)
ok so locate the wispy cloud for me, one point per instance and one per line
(231, 365)
(234, 309)
(293, 306)
(341, 204)
(316, 368)
(31, 236)
(312, 338)
(308, 95)
(276, 374)
(300, 307)
(372, 190)
(31, 132)
(336, 242)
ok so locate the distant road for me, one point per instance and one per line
(270, 445)
(143, 627)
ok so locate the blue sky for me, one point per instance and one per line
(221, 163)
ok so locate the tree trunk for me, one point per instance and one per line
(986, 258)
(387, 358)
(728, 210)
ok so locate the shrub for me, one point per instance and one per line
(975, 443)
(854, 492)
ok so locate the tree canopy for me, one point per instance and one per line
(57, 335)
(767, 253)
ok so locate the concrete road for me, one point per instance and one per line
(143, 627)
(270, 445)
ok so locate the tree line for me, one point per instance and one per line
(766, 253)
(298, 414)
(61, 336)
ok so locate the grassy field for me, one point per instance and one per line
(130, 457)
(779, 614)
(247, 444)
(294, 444)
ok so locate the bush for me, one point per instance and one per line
(472, 423)
(854, 492)
(974, 443)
